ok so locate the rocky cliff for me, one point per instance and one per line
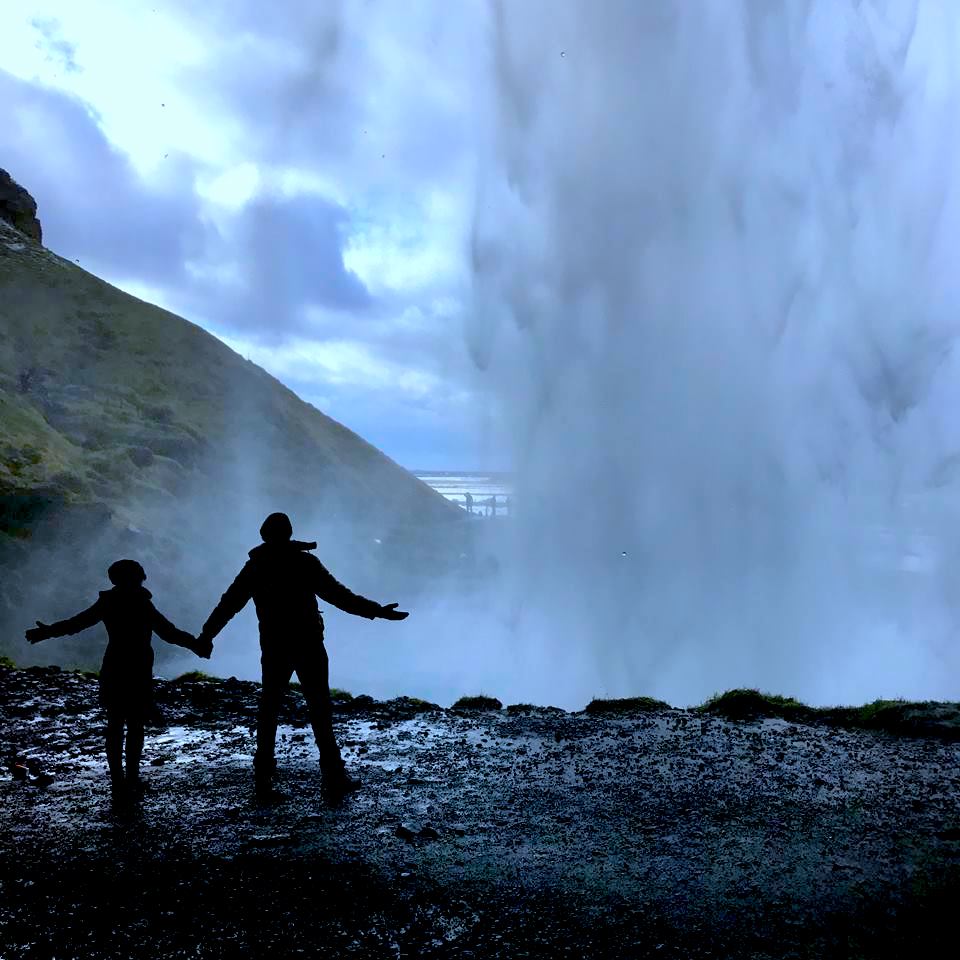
(18, 208)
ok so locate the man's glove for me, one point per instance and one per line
(40, 632)
(389, 611)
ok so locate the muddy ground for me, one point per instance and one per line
(486, 834)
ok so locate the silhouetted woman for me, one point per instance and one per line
(126, 676)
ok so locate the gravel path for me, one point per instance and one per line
(492, 834)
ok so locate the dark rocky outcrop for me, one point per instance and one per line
(18, 208)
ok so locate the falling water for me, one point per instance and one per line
(716, 304)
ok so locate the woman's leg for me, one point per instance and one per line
(135, 723)
(115, 746)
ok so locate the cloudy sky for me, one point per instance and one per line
(299, 179)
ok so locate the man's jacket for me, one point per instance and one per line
(284, 581)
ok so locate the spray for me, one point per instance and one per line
(713, 302)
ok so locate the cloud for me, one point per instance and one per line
(380, 93)
(285, 250)
(337, 363)
(273, 260)
(391, 383)
(93, 206)
(57, 50)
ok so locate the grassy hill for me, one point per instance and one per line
(127, 430)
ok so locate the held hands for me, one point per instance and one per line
(40, 632)
(204, 646)
(390, 612)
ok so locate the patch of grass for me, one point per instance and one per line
(420, 702)
(515, 708)
(878, 710)
(479, 702)
(196, 676)
(413, 704)
(745, 704)
(7, 664)
(877, 715)
(343, 696)
(626, 705)
(901, 717)
(908, 718)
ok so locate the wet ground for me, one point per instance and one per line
(476, 834)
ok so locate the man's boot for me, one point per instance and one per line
(337, 783)
(264, 788)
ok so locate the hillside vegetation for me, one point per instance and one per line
(125, 429)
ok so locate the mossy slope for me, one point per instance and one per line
(127, 430)
(103, 396)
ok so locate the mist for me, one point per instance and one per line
(715, 305)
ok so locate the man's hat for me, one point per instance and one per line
(276, 528)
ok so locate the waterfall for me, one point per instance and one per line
(715, 309)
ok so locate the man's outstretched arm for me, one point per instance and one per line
(231, 603)
(327, 587)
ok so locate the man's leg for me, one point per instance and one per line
(313, 672)
(276, 678)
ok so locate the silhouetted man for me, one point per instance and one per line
(126, 676)
(284, 580)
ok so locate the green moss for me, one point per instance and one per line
(901, 717)
(196, 676)
(883, 711)
(418, 704)
(745, 704)
(626, 705)
(926, 718)
(103, 395)
(480, 702)
(7, 664)
(877, 715)
(515, 709)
